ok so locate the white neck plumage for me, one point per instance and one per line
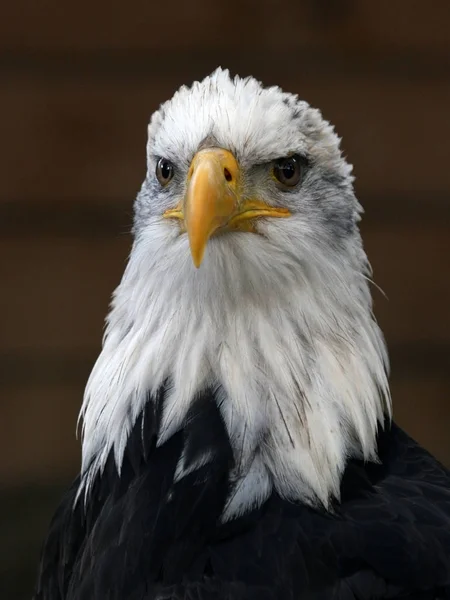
(290, 344)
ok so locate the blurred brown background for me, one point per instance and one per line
(79, 81)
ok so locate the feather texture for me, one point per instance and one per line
(237, 441)
(147, 535)
(280, 322)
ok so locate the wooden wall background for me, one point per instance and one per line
(78, 84)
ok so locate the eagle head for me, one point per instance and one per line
(247, 276)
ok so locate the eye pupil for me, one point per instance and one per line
(289, 171)
(164, 171)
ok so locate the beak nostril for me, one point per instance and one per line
(227, 174)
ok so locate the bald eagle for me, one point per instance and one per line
(237, 432)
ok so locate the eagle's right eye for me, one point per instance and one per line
(164, 171)
(289, 171)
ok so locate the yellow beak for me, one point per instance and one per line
(213, 200)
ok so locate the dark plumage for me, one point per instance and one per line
(142, 537)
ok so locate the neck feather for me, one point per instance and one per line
(297, 361)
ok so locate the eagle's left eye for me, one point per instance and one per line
(164, 171)
(289, 170)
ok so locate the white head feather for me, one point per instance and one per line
(280, 323)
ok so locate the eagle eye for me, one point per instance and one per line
(289, 171)
(164, 171)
